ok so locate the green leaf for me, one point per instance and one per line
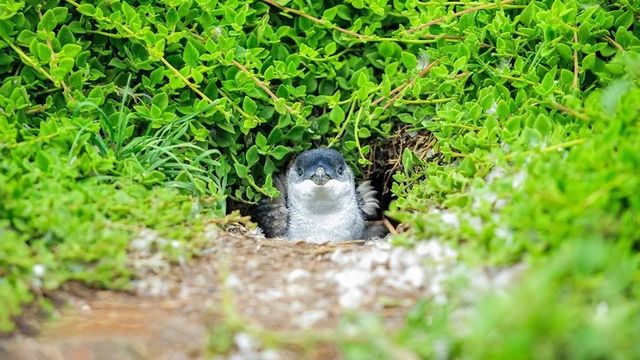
(44, 53)
(190, 55)
(70, 50)
(252, 155)
(588, 62)
(249, 106)
(60, 13)
(330, 48)
(42, 161)
(65, 36)
(407, 159)
(161, 100)
(241, 170)
(26, 36)
(86, 9)
(542, 124)
(48, 21)
(409, 60)
(337, 115)
(389, 49)
(547, 82)
(157, 75)
(261, 140)
(6, 28)
(281, 106)
(280, 151)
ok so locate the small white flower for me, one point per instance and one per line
(39, 270)
(217, 31)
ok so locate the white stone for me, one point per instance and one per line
(414, 275)
(352, 278)
(269, 354)
(298, 274)
(297, 290)
(233, 282)
(379, 256)
(244, 342)
(310, 318)
(352, 298)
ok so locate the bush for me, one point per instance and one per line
(513, 126)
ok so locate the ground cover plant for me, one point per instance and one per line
(511, 128)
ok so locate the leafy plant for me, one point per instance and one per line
(511, 129)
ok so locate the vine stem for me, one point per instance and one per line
(567, 110)
(260, 84)
(65, 88)
(428, 101)
(614, 43)
(458, 14)
(34, 140)
(316, 20)
(255, 79)
(399, 90)
(576, 68)
(29, 61)
(550, 148)
(405, 84)
(360, 37)
(345, 123)
(185, 80)
(356, 130)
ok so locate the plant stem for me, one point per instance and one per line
(185, 80)
(458, 14)
(408, 84)
(550, 148)
(358, 36)
(576, 68)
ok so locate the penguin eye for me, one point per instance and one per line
(300, 172)
(340, 170)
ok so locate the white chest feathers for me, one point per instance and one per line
(321, 213)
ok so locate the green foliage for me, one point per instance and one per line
(60, 221)
(534, 106)
(538, 163)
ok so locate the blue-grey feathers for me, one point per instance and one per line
(273, 214)
(367, 200)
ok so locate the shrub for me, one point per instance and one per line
(513, 127)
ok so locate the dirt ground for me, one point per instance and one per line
(242, 286)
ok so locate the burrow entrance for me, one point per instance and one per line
(386, 160)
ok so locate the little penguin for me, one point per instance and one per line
(318, 201)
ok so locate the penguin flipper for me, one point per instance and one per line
(367, 199)
(272, 214)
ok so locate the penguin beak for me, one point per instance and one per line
(320, 177)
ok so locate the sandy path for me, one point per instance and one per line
(243, 287)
